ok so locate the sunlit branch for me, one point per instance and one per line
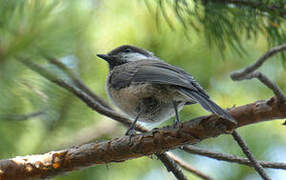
(120, 149)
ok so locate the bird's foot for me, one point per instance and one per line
(131, 133)
(176, 124)
(224, 128)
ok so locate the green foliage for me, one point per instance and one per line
(226, 23)
(29, 26)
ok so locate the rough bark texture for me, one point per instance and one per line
(121, 149)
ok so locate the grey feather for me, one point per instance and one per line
(208, 104)
(155, 71)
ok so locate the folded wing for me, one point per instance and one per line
(158, 72)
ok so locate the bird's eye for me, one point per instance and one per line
(127, 50)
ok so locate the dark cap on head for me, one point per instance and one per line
(124, 54)
(129, 49)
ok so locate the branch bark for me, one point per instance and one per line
(120, 149)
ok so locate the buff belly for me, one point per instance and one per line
(154, 102)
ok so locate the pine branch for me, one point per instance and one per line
(278, 8)
(225, 23)
(120, 149)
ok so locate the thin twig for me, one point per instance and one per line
(77, 81)
(239, 75)
(231, 158)
(35, 90)
(250, 72)
(171, 165)
(188, 167)
(271, 85)
(249, 155)
(21, 117)
(80, 94)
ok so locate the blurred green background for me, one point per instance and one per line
(75, 31)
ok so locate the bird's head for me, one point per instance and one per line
(124, 54)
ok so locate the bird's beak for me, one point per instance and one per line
(105, 57)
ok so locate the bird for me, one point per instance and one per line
(147, 89)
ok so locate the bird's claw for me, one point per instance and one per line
(176, 124)
(130, 133)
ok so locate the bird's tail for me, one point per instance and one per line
(208, 104)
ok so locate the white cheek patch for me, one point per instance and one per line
(135, 56)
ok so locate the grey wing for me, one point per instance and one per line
(183, 75)
(162, 73)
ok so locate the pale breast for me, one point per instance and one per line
(154, 101)
(128, 99)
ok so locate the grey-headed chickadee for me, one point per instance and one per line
(149, 90)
